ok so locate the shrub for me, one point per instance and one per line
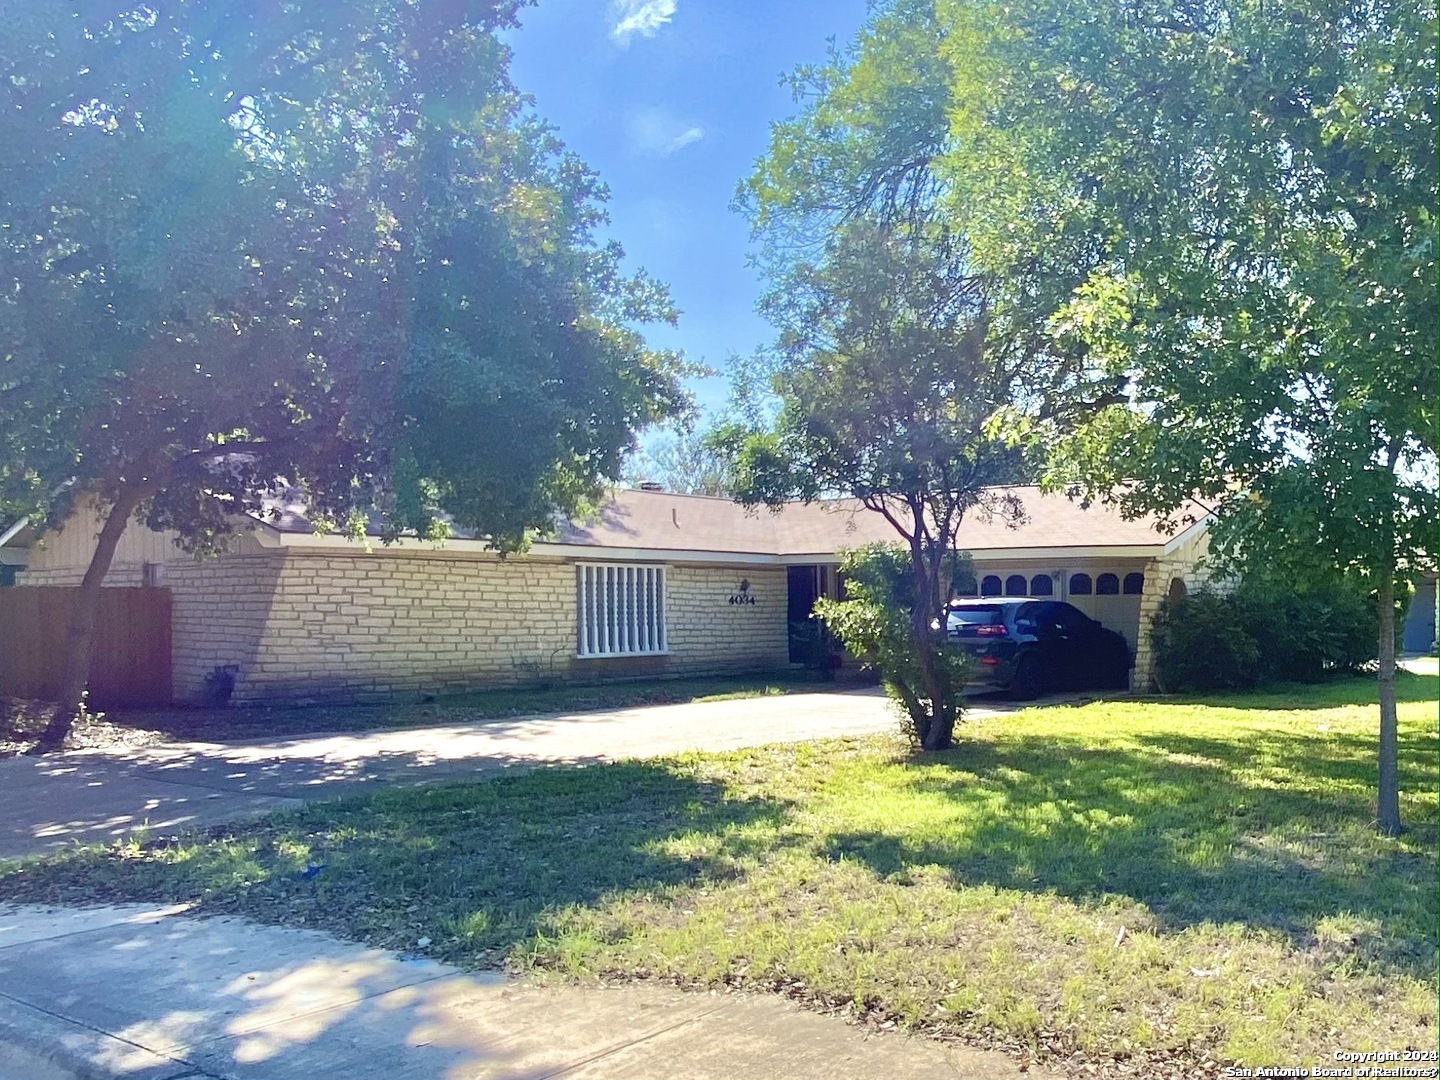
(818, 650)
(1201, 644)
(1263, 632)
(220, 684)
(874, 624)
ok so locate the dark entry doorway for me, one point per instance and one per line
(807, 583)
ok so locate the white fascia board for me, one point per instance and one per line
(1036, 554)
(273, 538)
(13, 531)
(1065, 554)
(1184, 536)
(594, 553)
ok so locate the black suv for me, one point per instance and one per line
(1031, 646)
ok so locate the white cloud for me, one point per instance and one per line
(643, 17)
(654, 131)
(684, 139)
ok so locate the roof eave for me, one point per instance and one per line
(13, 531)
(1050, 553)
(1185, 535)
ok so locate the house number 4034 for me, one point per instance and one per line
(743, 595)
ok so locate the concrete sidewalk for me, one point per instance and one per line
(147, 993)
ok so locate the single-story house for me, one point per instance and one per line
(657, 584)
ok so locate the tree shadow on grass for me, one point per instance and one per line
(475, 868)
(1181, 827)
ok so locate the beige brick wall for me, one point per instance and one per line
(346, 622)
(322, 624)
(708, 634)
(342, 625)
(1186, 563)
(219, 614)
(369, 624)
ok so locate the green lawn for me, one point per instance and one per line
(1135, 885)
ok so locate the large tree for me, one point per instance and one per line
(1230, 208)
(686, 461)
(316, 242)
(889, 364)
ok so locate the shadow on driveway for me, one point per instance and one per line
(90, 796)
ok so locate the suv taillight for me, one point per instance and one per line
(990, 630)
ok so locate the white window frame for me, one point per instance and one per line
(620, 610)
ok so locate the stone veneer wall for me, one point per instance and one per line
(342, 625)
(361, 625)
(219, 615)
(294, 625)
(709, 635)
(1186, 562)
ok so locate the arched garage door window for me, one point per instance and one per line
(1134, 584)
(1041, 585)
(990, 586)
(1079, 584)
(1107, 585)
(1015, 585)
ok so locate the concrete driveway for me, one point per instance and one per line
(91, 795)
(87, 796)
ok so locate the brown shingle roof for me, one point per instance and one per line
(651, 520)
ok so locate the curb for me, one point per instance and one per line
(37, 1045)
(18, 1063)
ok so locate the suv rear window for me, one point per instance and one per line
(977, 614)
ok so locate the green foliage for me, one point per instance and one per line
(1230, 211)
(1264, 632)
(820, 652)
(875, 623)
(890, 367)
(324, 242)
(687, 461)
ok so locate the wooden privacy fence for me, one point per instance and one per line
(130, 664)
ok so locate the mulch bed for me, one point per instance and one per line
(22, 721)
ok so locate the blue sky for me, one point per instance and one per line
(671, 102)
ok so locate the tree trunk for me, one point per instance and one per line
(1387, 805)
(920, 635)
(80, 639)
(940, 731)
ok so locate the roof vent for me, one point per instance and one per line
(651, 485)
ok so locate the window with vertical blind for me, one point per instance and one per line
(621, 609)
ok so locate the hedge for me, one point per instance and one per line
(1256, 634)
